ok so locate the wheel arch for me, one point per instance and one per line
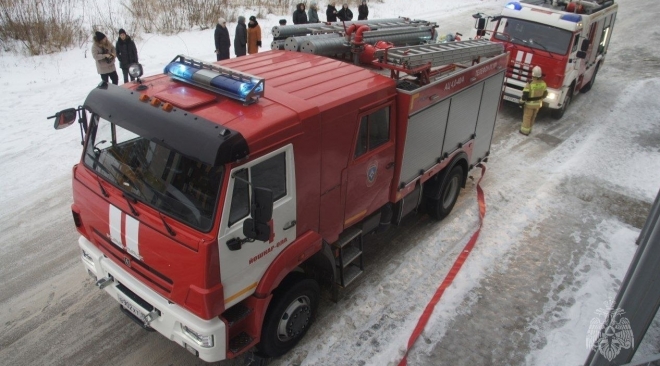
(433, 185)
(303, 248)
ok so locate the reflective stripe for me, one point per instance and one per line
(114, 222)
(132, 230)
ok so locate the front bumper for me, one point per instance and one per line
(171, 318)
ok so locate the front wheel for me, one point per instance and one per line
(451, 187)
(289, 316)
(559, 113)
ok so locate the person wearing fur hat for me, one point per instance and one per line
(254, 35)
(222, 42)
(126, 53)
(104, 54)
(240, 37)
(299, 15)
(312, 13)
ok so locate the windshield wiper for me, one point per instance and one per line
(169, 229)
(105, 193)
(532, 42)
(130, 198)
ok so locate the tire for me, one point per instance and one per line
(587, 87)
(289, 316)
(449, 190)
(559, 113)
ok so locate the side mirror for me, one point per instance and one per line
(262, 204)
(480, 24)
(581, 54)
(257, 227)
(584, 47)
(65, 118)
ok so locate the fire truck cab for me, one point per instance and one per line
(568, 40)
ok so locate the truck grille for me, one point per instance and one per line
(137, 267)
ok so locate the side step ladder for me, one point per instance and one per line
(348, 259)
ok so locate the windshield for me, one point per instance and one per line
(155, 175)
(534, 35)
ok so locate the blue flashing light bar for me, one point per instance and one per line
(575, 18)
(231, 83)
(513, 5)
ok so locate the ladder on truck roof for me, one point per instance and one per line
(419, 60)
(440, 54)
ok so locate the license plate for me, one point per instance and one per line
(128, 306)
(511, 99)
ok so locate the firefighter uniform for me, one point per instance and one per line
(533, 95)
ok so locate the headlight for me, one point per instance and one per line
(551, 96)
(205, 341)
(135, 70)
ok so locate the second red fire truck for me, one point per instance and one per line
(214, 199)
(567, 39)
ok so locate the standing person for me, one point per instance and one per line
(126, 53)
(312, 13)
(300, 16)
(533, 95)
(345, 14)
(254, 35)
(331, 12)
(240, 38)
(222, 42)
(363, 11)
(104, 53)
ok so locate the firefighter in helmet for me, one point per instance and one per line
(532, 99)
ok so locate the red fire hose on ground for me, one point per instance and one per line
(421, 323)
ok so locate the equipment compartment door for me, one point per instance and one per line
(241, 269)
(370, 172)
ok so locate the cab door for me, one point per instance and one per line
(242, 268)
(371, 169)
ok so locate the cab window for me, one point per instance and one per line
(270, 173)
(374, 131)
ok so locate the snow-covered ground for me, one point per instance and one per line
(564, 209)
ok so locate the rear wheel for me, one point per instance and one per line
(559, 113)
(451, 187)
(289, 316)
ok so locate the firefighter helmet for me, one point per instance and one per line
(536, 72)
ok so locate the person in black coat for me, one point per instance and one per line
(363, 11)
(300, 16)
(222, 42)
(345, 14)
(126, 53)
(240, 38)
(331, 13)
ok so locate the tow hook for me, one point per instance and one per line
(151, 316)
(104, 282)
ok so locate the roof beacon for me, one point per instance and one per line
(230, 83)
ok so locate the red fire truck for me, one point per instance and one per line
(568, 40)
(214, 199)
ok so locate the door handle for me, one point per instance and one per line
(289, 225)
(389, 166)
